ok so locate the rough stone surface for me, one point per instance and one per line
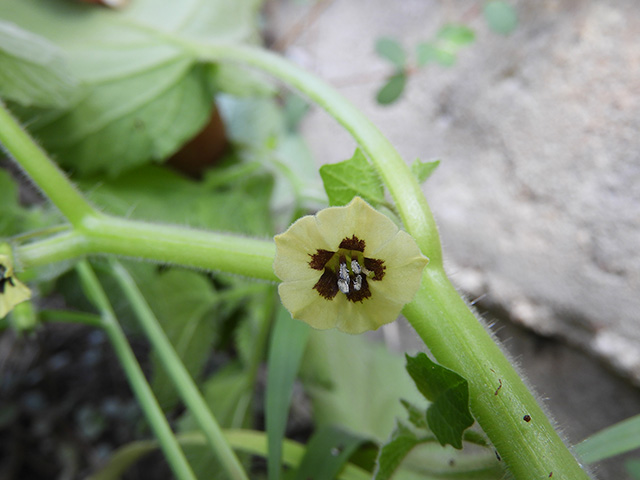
(538, 193)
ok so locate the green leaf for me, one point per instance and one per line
(392, 90)
(403, 440)
(156, 193)
(33, 70)
(448, 415)
(145, 93)
(614, 440)
(183, 302)
(423, 170)
(356, 176)
(355, 383)
(391, 50)
(429, 52)
(425, 53)
(455, 36)
(500, 16)
(417, 415)
(445, 47)
(288, 341)
(327, 452)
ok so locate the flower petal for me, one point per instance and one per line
(294, 247)
(359, 219)
(305, 304)
(404, 264)
(368, 315)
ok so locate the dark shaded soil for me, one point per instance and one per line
(65, 405)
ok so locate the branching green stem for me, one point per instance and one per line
(170, 447)
(179, 375)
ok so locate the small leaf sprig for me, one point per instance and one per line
(442, 49)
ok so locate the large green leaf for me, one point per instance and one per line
(33, 70)
(145, 93)
(184, 303)
(448, 415)
(156, 193)
(355, 383)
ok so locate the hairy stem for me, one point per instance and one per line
(42, 171)
(170, 447)
(161, 243)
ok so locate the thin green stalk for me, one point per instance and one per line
(439, 315)
(43, 172)
(170, 447)
(67, 316)
(179, 375)
(161, 243)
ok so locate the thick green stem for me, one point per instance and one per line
(170, 447)
(42, 171)
(161, 243)
(179, 375)
(499, 399)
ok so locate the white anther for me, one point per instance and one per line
(357, 283)
(344, 273)
(355, 267)
(343, 285)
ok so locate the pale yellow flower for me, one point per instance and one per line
(347, 267)
(12, 290)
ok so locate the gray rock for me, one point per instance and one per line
(538, 193)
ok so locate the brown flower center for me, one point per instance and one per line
(347, 270)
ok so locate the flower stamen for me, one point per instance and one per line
(355, 267)
(343, 285)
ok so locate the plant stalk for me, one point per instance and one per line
(160, 243)
(45, 174)
(179, 375)
(170, 447)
